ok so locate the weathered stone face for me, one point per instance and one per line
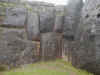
(72, 18)
(47, 20)
(46, 13)
(14, 49)
(32, 27)
(58, 27)
(14, 1)
(3, 0)
(15, 17)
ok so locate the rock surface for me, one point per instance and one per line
(60, 29)
(32, 27)
(51, 46)
(47, 19)
(15, 17)
(90, 28)
(14, 48)
(59, 19)
(72, 18)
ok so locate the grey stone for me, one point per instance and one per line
(47, 20)
(32, 26)
(59, 18)
(2, 11)
(46, 13)
(58, 27)
(14, 1)
(11, 1)
(15, 50)
(89, 27)
(15, 17)
(51, 46)
(3, 0)
(72, 18)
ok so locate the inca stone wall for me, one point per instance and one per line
(79, 44)
(46, 14)
(20, 25)
(51, 46)
(90, 28)
(61, 30)
(15, 48)
(32, 26)
(83, 52)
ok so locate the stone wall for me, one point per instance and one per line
(15, 48)
(36, 17)
(90, 28)
(72, 18)
(84, 51)
(20, 25)
(61, 31)
(80, 54)
(80, 43)
(51, 46)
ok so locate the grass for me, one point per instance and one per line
(58, 67)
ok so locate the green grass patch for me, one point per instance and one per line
(58, 67)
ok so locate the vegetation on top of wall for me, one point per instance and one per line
(6, 5)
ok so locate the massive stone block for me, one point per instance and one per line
(15, 17)
(58, 27)
(72, 18)
(46, 13)
(11, 1)
(59, 19)
(58, 24)
(14, 1)
(32, 26)
(47, 20)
